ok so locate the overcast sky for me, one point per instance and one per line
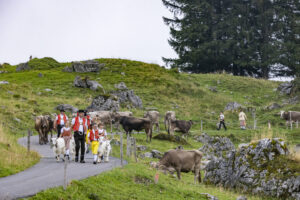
(70, 30)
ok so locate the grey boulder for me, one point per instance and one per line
(66, 107)
(22, 67)
(85, 66)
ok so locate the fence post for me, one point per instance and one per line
(134, 149)
(28, 140)
(201, 125)
(128, 146)
(291, 122)
(269, 125)
(121, 148)
(254, 120)
(65, 174)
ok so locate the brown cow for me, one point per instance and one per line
(180, 126)
(181, 161)
(290, 116)
(138, 124)
(170, 115)
(43, 125)
(154, 117)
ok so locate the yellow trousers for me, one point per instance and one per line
(95, 146)
(86, 136)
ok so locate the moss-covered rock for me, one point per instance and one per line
(261, 167)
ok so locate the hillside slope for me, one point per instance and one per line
(188, 94)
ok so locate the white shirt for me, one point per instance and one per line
(80, 129)
(242, 116)
(222, 117)
(62, 122)
(102, 131)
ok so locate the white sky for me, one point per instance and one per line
(70, 30)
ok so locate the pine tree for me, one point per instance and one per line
(243, 37)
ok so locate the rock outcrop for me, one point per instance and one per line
(86, 83)
(104, 103)
(285, 88)
(86, 66)
(22, 67)
(66, 107)
(260, 167)
(112, 102)
(127, 96)
(232, 106)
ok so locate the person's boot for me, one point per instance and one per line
(76, 159)
(82, 159)
(102, 158)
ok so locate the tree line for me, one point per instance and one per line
(256, 38)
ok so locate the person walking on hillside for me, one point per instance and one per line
(66, 134)
(93, 140)
(60, 121)
(79, 126)
(242, 119)
(222, 121)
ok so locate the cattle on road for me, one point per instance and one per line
(43, 125)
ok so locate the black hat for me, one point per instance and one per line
(81, 111)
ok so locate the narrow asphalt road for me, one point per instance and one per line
(48, 173)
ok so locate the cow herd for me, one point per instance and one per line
(45, 124)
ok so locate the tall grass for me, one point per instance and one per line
(13, 158)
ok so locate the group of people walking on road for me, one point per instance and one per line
(242, 120)
(85, 132)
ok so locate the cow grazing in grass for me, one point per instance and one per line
(43, 125)
(132, 123)
(154, 117)
(180, 126)
(169, 116)
(181, 161)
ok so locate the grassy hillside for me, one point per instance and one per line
(188, 94)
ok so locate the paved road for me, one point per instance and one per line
(48, 173)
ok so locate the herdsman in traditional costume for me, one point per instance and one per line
(79, 125)
(93, 140)
(89, 127)
(60, 121)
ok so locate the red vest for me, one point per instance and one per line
(59, 118)
(94, 135)
(88, 121)
(77, 124)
